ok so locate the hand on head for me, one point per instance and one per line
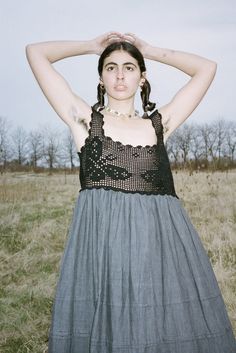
(108, 38)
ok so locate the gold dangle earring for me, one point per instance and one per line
(102, 87)
(101, 83)
(142, 83)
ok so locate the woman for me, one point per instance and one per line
(134, 275)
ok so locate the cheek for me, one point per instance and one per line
(108, 78)
(135, 77)
(135, 81)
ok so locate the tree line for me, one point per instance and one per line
(204, 145)
(192, 145)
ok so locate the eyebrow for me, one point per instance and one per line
(127, 63)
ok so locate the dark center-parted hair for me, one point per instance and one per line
(136, 54)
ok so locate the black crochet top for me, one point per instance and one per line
(109, 164)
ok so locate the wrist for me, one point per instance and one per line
(148, 51)
(91, 47)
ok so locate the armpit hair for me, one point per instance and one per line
(165, 126)
(77, 119)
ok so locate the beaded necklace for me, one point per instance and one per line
(116, 113)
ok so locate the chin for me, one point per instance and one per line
(121, 94)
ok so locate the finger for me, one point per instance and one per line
(114, 38)
(113, 33)
(130, 34)
(129, 39)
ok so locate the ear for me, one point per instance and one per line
(100, 81)
(142, 79)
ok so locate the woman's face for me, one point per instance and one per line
(121, 75)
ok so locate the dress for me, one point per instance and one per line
(134, 275)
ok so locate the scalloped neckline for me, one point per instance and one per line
(128, 144)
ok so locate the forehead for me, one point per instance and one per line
(119, 57)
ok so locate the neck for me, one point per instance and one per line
(124, 106)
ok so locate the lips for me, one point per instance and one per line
(120, 87)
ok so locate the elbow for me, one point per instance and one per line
(28, 46)
(32, 47)
(209, 69)
(28, 49)
(32, 51)
(212, 67)
(35, 51)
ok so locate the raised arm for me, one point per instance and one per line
(70, 107)
(41, 56)
(201, 70)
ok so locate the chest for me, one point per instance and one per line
(135, 132)
(138, 132)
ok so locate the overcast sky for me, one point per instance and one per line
(203, 27)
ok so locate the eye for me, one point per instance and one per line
(129, 68)
(110, 68)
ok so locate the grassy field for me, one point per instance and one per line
(36, 211)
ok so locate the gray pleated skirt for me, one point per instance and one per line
(135, 278)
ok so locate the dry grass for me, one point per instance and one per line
(36, 212)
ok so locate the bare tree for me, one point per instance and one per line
(178, 144)
(20, 144)
(196, 146)
(5, 148)
(172, 149)
(230, 140)
(220, 128)
(51, 146)
(69, 149)
(184, 137)
(208, 137)
(36, 147)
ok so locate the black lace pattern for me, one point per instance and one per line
(99, 166)
(109, 164)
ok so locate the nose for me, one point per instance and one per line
(120, 74)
